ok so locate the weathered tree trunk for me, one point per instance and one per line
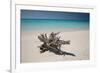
(53, 44)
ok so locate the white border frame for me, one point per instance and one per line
(15, 38)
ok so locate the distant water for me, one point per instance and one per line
(36, 24)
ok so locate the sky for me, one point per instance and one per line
(36, 14)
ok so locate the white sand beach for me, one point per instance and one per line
(79, 46)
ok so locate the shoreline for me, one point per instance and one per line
(53, 30)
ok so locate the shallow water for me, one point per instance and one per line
(43, 24)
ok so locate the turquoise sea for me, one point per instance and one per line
(33, 24)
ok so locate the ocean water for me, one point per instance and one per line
(44, 24)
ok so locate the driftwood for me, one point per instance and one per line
(53, 44)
